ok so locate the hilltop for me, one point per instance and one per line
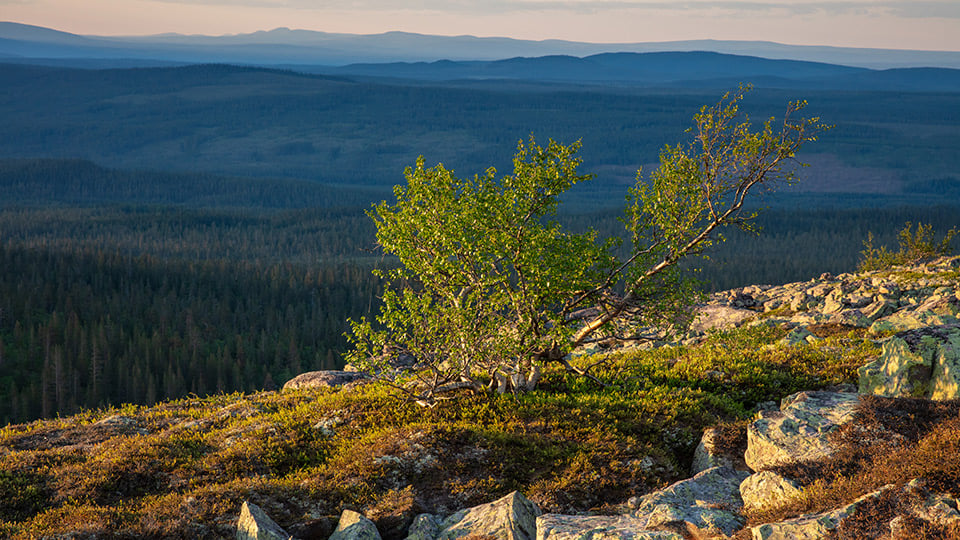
(184, 469)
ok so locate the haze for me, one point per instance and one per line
(924, 25)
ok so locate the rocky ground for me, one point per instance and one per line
(912, 312)
(826, 408)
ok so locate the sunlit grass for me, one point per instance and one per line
(571, 445)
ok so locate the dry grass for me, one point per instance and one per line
(893, 441)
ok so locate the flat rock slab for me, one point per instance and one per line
(704, 505)
(713, 316)
(324, 379)
(561, 527)
(798, 431)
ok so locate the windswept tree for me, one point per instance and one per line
(490, 286)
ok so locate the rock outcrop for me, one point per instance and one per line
(798, 431)
(923, 362)
(916, 322)
(324, 379)
(878, 301)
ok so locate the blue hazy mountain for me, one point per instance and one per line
(304, 47)
(636, 68)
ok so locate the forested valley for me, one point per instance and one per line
(112, 303)
(166, 232)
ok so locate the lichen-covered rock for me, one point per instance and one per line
(944, 302)
(710, 453)
(705, 505)
(898, 372)
(917, 508)
(797, 336)
(626, 527)
(324, 379)
(255, 524)
(880, 308)
(720, 316)
(424, 527)
(909, 319)
(936, 510)
(921, 363)
(767, 488)
(850, 317)
(814, 526)
(798, 431)
(354, 526)
(512, 517)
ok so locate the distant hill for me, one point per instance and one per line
(339, 129)
(646, 69)
(304, 47)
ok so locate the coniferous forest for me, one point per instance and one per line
(202, 230)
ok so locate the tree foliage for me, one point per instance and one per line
(490, 285)
(915, 246)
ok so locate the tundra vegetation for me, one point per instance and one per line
(181, 468)
(491, 287)
(914, 246)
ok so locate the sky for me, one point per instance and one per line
(895, 24)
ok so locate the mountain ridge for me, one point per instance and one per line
(283, 45)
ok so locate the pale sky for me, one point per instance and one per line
(897, 24)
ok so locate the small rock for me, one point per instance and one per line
(880, 308)
(254, 524)
(354, 526)
(424, 527)
(797, 336)
(713, 316)
(510, 518)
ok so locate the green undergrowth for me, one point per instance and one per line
(181, 469)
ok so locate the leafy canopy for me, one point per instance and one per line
(490, 285)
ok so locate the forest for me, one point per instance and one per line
(112, 303)
(201, 230)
